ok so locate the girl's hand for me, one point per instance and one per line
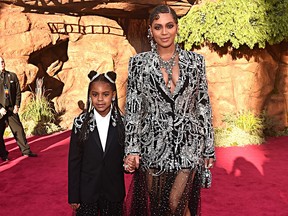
(75, 206)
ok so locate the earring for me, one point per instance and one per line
(114, 115)
(151, 40)
(90, 104)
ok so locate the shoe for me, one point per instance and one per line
(30, 154)
(4, 158)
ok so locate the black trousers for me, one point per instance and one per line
(17, 129)
(102, 206)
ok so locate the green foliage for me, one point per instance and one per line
(38, 116)
(38, 110)
(235, 136)
(240, 129)
(241, 22)
(41, 128)
(272, 127)
(246, 121)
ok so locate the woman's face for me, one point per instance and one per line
(164, 30)
(101, 95)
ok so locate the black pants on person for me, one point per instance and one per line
(102, 206)
(17, 129)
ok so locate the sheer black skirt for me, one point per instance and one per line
(172, 193)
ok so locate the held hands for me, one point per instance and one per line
(131, 162)
(75, 206)
(3, 111)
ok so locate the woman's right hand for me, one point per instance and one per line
(131, 162)
(75, 206)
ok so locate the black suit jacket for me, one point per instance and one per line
(92, 172)
(12, 83)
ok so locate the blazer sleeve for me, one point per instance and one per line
(132, 119)
(205, 112)
(74, 167)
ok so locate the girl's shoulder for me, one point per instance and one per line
(79, 120)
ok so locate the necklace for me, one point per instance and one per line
(168, 65)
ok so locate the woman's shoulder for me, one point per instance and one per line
(191, 54)
(142, 55)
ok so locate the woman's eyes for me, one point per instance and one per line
(157, 27)
(169, 26)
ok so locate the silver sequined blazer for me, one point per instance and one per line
(169, 131)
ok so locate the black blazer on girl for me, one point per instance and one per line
(92, 172)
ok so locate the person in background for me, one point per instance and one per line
(95, 164)
(10, 99)
(168, 123)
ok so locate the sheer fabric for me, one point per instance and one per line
(170, 194)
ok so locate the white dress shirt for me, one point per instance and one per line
(102, 126)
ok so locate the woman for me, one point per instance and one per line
(168, 123)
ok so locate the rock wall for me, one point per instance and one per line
(253, 80)
(40, 45)
(32, 49)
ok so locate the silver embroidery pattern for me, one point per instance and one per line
(171, 131)
(78, 122)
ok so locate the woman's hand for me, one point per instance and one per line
(131, 162)
(209, 162)
(75, 206)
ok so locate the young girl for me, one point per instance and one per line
(95, 166)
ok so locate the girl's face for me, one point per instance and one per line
(101, 95)
(164, 30)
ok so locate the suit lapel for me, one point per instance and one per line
(110, 137)
(96, 137)
(183, 68)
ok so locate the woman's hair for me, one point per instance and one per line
(110, 78)
(154, 15)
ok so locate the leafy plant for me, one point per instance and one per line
(38, 109)
(240, 129)
(246, 121)
(244, 22)
(235, 136)
(38, 116)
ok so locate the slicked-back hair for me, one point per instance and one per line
(154, 15)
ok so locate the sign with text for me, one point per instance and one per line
(66, 28)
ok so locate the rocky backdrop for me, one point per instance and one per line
(61, 41)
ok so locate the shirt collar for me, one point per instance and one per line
(97, 116)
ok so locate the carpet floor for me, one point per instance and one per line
(247, 181)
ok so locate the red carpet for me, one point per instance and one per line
(247, 181)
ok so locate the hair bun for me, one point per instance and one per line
(112, 75)
(91, 74)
